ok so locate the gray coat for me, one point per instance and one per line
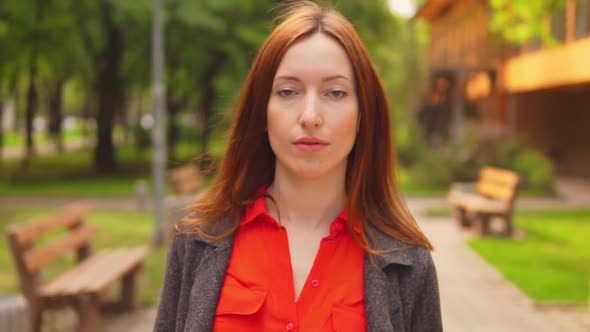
(401, 287)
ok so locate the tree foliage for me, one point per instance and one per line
(94, 58)
(521, 21)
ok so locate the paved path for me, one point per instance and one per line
(413, 203)
(476, 298)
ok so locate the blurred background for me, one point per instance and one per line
(471, 83)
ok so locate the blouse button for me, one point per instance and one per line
(289, 327)
(315, 283)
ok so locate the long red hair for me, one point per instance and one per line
(249, 163)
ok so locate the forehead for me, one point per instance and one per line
(316, 55)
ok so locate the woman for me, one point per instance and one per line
(303, 229)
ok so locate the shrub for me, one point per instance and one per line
(460, 162)
(535, 170)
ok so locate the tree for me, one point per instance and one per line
(521, 21)
(224, 36)
(102, 26)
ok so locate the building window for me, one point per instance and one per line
(582, 18)
(558, 25)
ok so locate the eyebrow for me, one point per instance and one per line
(325, 79)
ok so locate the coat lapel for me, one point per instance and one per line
(207, 286)
(382, 294)
(378, 296)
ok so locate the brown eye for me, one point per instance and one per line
(338, 94)
(286, 93)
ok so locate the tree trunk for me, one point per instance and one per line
(56, 114)
(32, 98)
(206, 107)
(173, 106)
(32, 95)
(109, 87)
(1, 131)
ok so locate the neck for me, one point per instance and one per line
(313, 203)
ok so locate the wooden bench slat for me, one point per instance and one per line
(95, 273)
(473, 202)
(188, 186)
(509, 178)
(71, 280)
(69, 215)
(126, 260)
(85, 275)
(495, 190)
(36, 258)
(185, 179)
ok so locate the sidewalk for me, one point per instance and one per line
(477, 298)
(415, 204)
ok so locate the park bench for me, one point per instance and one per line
(493, 195)
(186, 181)
(81, 287)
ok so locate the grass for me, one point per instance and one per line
(437, 212)
(13, 138)
(551, 264)
(71, 175)
(117, 229)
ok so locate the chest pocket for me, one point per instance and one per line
(345, 320)
(239, 309)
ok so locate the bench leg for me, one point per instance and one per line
(126, 300)
(36, 313)
(482, 223)
(88, 312)
(508, 226)
(461, 217)
(128, 290)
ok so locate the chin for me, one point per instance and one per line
(310, 172)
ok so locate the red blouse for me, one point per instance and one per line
(258, 293)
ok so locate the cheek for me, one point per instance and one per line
(348, 124)
(274, 117)
(276, 126)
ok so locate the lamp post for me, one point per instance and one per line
(159, 114)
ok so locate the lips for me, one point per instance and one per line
(310, 144)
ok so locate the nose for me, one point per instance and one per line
(310, 116)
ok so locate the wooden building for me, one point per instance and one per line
(539, 94)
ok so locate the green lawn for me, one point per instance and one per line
(71, 175)
(551, 263)
(117, 229)
(13, 138)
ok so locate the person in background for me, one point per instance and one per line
(304, 228)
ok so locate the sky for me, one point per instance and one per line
(404, 8)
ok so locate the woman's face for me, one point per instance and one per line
(313, 110)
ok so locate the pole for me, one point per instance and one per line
(159, 137)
